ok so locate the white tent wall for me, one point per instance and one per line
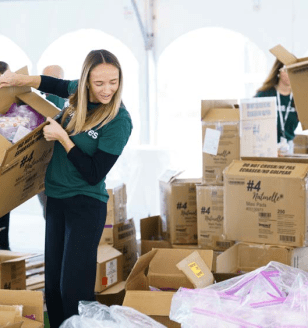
(34, 25)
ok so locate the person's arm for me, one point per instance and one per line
(92, 168)
(57, 87)
(9, 79)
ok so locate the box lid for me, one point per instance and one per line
(106, 252)
(283, 55)
(224, 104)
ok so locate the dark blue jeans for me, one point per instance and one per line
(73, 230)
(4, 231)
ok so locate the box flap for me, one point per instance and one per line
(32, 302)
(206, 105)
(39, 104)
(114, 289)
(283, 55)
(221, 115)
(151, 228)
(266, 169)
(106, 252)
(137, 277)
(170, 175)
(149, 302)
(7, 95)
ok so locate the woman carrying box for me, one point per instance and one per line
(277, 84)
(89, 137)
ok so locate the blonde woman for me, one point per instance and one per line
(89, 137)
(277, 84)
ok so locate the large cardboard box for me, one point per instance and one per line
(122, 236)
(300, 144)
(178, 207)
(23, 164)
(297, 69)
(32, 302)
(157, 268)
(210, 216)
(13, 270)
(223, 117)
(152, 235)
(266, 202)
(258, 127)
(244, 257)
(116, 206)
(109, 269)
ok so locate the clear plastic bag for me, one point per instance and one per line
(97, 315)
(270, 297)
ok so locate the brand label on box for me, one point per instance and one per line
(112, 272)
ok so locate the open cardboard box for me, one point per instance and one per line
(157, 268)
(297, 69)
(23, 164)
(32, 302)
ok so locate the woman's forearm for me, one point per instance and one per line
(33, 81)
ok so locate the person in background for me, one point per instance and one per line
(4, 220)
(89, 138)
(57, 72)
(277, 84)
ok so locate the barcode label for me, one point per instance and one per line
(236, 182)
(265, 215)
(224, 244)
(287, 238)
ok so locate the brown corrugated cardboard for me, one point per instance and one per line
(32, 303)
(13, 270)
(113, 295)
(123, 237)
(157, 304)
(210, 216)
(244, 257)
(152, 235)
(258, 127)
(300, 144)
(178, 208)
(23, 164)
(298, 74)
(109, 270)
(266, 202)
(116, 206)
(224, 117)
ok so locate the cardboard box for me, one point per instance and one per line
(300, 144)
(116, 206)
(243, 257)
(258, 127)
(23, 164)
(13, 270)
(122, 236)
(152, 235)
(266, 202)
(109, 269)
(297, 69)
(158, 268)
(113, 295)
(32, 302)
(210, 216)
(222, 117)
(178, 207)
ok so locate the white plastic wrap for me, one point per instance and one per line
(272, 296)
(97, 315)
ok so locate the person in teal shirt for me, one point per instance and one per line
(277, 84)
(89, 137)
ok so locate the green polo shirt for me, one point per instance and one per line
(63, 179)
(292, 120)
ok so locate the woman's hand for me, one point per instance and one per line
(54, 131)
(9, 79)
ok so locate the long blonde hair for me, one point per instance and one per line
(273, 77)
(81, 120)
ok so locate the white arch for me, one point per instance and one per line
(207, 63)
(70, 50)
(13, 55)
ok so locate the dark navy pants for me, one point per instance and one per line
(73, 230)
(4, 231)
